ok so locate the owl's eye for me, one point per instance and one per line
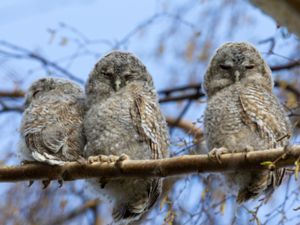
(106, 74)
(128, 76)
(34, 94)
(249, 67)
(225, 67)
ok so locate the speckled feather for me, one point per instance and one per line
(52, 122)
(242, 113)
(124, 117)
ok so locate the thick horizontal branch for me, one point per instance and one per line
(153, 168)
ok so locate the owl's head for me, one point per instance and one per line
(114, 71)
(236, 62)
(51, 85)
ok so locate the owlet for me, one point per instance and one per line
(124, 117)
(52, 123)
(243, 114)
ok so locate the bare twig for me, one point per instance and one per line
(5, 108)
(153, 168)
(189, 127)
(24, 53)
(287, 66)
(76, 212)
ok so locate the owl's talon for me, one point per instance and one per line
(46, 183)
(121, 159)
(60, 183)
(97, 159)
(30, 183)
(217, 152)
(113, 158)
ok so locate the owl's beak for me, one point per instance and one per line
(237, 76)
(117, 84)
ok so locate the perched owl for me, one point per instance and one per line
(52, 123)
(243, 114)
(124, 117)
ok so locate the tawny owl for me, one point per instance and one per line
(124, 117)
(52, 123)
(243, 114)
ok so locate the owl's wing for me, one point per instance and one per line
(144, 114)
(43, 135)
(264, 114)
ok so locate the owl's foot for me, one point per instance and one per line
(108, 159)
(98, 159)
(217, 152)
(121, 159)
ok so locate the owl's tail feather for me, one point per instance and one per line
(245, 195)
(123, 214)
(264, 182)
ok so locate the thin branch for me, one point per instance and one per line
(24, 53)
(195, 96)
(76, 212)
(154, 168)
(189, 127)
(5, 108)
(286, 66)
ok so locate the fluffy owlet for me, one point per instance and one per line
(124, 117)
(52, 128)
(243, 114)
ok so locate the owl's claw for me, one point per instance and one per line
(121, 159)
(108, 159)
(98, 159)
(46, 183)
(217, 152)
(30, 183)
(60, 183)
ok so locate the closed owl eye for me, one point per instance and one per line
(128, 76)
(225, 67)
(106, 74)
(34, 94)
(249, 67)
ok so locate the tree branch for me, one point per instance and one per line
(189, 127)
(25, 53)
(76, 212)
(12, 94)
(286, 66)
(280, 157)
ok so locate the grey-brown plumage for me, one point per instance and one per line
(52, 129)
(243, 114)
(124, 117)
